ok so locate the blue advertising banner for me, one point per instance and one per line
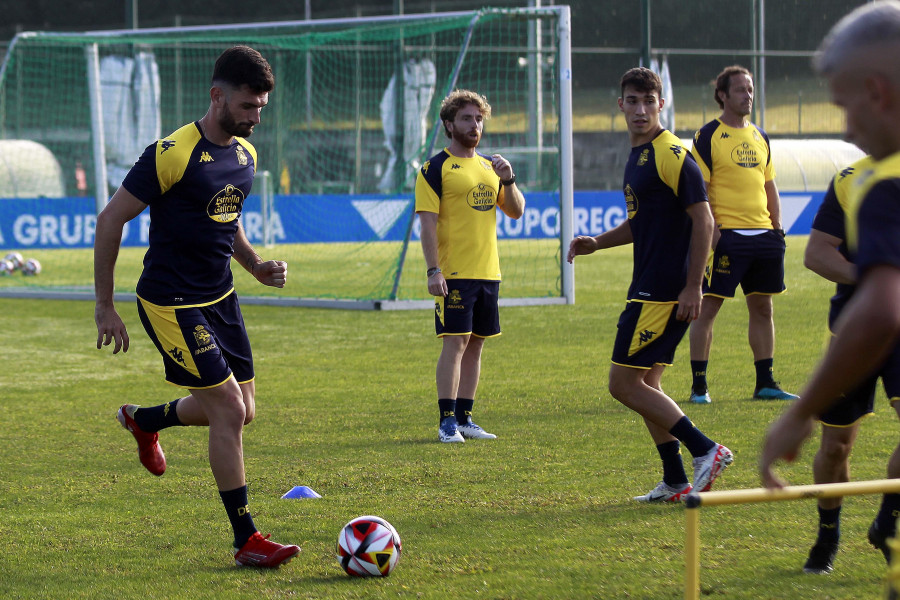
(70, 222)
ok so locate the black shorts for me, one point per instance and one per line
(470, 307)
(201, 345)
(647, 335)
(756, 262)
(860, 402)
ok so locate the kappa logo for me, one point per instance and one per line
(205, 157)
(455, 166)
(846, 172)
(646, 335)
(724, 135)
(177, 355)
(425, 167)
(676, 150)
(166, 144)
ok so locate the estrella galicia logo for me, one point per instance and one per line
(226, 205)
(745, 155)
(645, 336)
(482, 197)
(166, 144)
(177, 355)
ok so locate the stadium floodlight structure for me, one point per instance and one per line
(352, 117)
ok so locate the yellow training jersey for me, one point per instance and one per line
(736, 164)
(465, 193)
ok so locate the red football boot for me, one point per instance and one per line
(149, 452)
(260, 552)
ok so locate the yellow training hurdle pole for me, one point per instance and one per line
(823, 490)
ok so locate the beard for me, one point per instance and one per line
(230, 126)
(465, 140)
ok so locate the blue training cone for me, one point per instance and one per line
(301, 491)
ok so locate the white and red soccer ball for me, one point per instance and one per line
(368, 547)
(31, 267)
(16, 259)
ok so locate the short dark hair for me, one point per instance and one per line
(642, 79)
(242, 65)
(458, 99)
(723, 81)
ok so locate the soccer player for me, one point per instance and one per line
(827, 255)
(736, 163)
(866, 87)
(670, 226)
(195, 182)
(458, 191)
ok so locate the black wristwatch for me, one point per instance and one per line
(509, 181)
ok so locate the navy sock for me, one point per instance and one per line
(673, 466)
(698, 368)
(447, 406)
(463, 410)
(829, 524)
(888, 513)
(764, 373)
(154, 418)
(238, 511)
(692, 438)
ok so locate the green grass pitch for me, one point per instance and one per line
(346, 405)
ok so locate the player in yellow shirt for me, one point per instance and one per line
(735, 159)
(458, 191)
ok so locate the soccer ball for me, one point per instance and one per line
(368, 547)
(16, 259)
(31, 267)
(6, 267)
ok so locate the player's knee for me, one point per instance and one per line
(835, 451)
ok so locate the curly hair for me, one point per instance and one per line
(459, 99)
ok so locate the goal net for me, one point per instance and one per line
(352, 117)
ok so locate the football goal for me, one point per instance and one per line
(352, 118)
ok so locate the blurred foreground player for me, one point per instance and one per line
(867, 88)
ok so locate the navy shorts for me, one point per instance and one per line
(201, 345)
(647, 335)
(860, 402)
(470, 307)
(756, 262)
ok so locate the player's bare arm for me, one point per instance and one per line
(268, 272)
(122, 207)
(773, 204)
(585, 244)
(702, 227)
(823, 258)
(864, 335)
(510, 200)
(437, 285)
